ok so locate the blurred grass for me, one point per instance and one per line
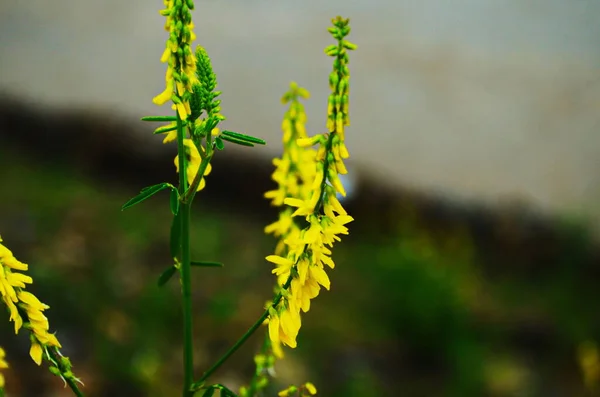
(414, 314)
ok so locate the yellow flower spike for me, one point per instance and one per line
(21, 302)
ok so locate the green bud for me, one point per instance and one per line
(349, 45)
(166, 128)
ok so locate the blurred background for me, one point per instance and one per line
(472, 268)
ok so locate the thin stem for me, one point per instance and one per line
(186, 282)
(234, 348)
(242, 340)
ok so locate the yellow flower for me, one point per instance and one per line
(310, 388)
(3, 365)
(193, 165)
(12, 289)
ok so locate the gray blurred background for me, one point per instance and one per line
(483, 99)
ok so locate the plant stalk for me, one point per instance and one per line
(70, 382)
(198, 384)
(186, 282)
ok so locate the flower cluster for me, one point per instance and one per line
(26, 311)
(295, 170)
(203, 98)
(181, 63)
(12, 288)
(300, 265)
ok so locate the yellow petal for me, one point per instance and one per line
(36, 352)
(274, 328)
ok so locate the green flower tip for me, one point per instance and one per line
(294, 93)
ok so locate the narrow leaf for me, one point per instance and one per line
(159, 118)
(145, 194)
(244, 137)
(166, 275)
(236, 141)
(206, 264)
(219, 143)
(175, 241)
(166, 128)
(174, 201)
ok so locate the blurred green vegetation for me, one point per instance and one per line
(410, 313)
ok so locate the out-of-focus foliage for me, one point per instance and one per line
(415, 311)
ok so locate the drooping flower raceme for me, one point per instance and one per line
(26, 311)
(301, 264)
(12, 288)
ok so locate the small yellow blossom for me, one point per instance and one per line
(3, 365)
(193, 165)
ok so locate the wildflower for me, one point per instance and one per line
(18, 301)
(308, 184)
(180, 76)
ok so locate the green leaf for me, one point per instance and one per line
(145, 194)
(219, 143)
(206, 264)
(175, 241)
(174, 201)
(166, 275)
(209, 392)
(166, 128)
(159, 118)
(244, 137)
(236, 141)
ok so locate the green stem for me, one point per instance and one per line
(242, 340)
(69, 379)
(233, 348)
(186, 284)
